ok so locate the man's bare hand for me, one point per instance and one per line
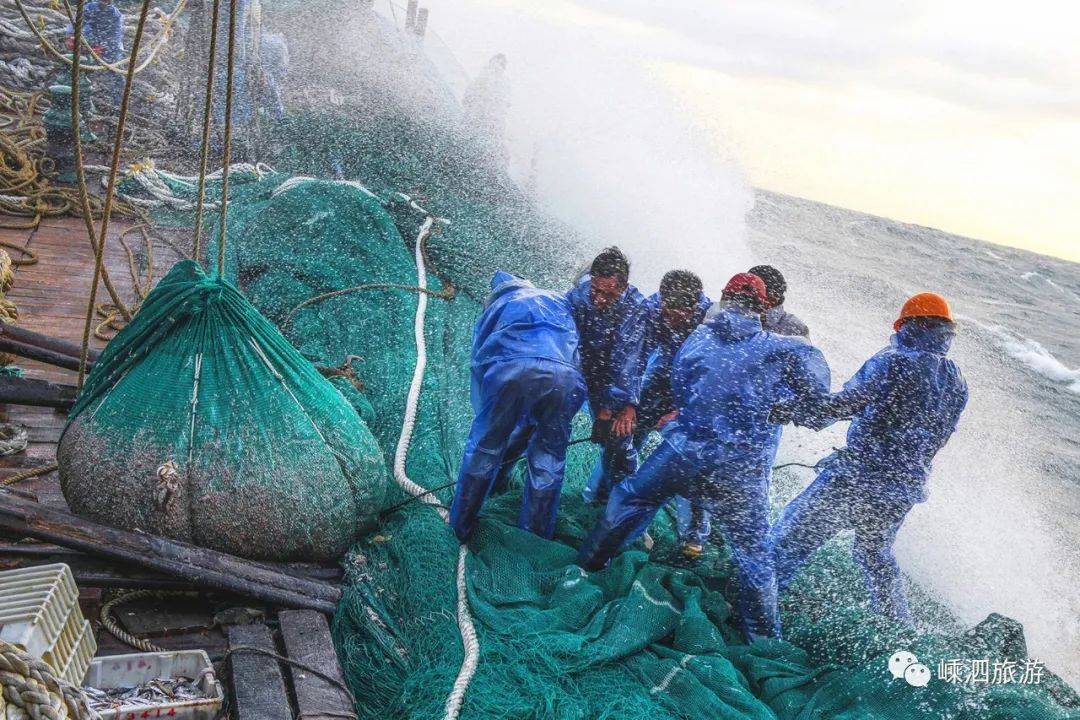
(665, 419)
(624, 421)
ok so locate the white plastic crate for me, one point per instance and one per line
(121, 671)
(82, 653)
(39, 612)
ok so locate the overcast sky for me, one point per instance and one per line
(958, 114)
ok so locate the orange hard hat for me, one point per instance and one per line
(926, 304)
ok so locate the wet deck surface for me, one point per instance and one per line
(52, 297)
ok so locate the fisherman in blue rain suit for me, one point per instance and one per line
(103, 30)
(609, 313)
(526, 381)
(726, 379)
(776, 318)
(670, 316)
(904, 404)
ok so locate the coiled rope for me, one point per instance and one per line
(469, 642)
(109, 622)
(31, 689)
(120, 66)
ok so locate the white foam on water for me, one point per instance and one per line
(609, 149)
(1037, 358)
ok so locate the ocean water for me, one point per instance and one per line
(1001, 529)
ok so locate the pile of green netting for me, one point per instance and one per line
(201, 422)
(643, 639)
(650, 637)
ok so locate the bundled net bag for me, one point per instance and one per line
(201, 422)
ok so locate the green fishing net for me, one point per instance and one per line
(647, 638)
(201, 422)
(650, 637)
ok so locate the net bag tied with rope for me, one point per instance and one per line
(202, 423)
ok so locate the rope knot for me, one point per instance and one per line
(168, 474)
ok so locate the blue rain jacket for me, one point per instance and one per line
(726, 379)
(103, 25)
(526, 388)
(520, 321)
(724, 394)
(904, 404)
(610, 344)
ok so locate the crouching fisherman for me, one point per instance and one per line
(526, 388)
(726, 378)
(904, 404)
(670, 316)
(609, 313)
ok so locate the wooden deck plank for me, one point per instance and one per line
(257, 682)
(307, 640)
(52, 297)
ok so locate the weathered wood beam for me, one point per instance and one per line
(202, 567)
(257, 682)
(306, 635)
(48, 342)
(33, 352)
(38, 393)
(110, 573)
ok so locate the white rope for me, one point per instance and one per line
(298, 180)
(152, 181)
(469, 642)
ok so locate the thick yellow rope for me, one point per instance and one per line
(111, 187)
(204, 150)
(31, 689)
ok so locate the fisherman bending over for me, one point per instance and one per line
(904, 404)
(726, 379)
(526, 388)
